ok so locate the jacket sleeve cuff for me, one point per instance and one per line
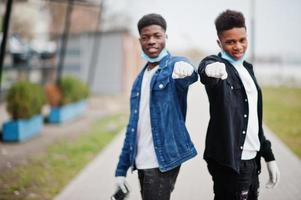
(266, 151)
(269, 156)
(119, 172)
(185, 82)
(203, 76)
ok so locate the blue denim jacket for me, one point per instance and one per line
(168, 103)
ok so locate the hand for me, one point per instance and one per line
(182, 69)
(274, 174)
(216, 70)
(120, 181)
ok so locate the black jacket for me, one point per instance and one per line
(229, 116)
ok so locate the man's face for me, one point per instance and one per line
(152, 40)
(234, 42)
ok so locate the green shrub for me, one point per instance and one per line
(24, 100)
(73, 90)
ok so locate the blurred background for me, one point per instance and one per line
(96, 41)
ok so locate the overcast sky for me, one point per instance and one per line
(191, 22)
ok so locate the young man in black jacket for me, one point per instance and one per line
(235, 141)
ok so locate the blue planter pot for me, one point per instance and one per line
(23, 129)
(67, 112)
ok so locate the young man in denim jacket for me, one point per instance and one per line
(235, 140)
(157, 141)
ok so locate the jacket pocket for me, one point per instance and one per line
(161, 84)
(234, 93)
(233, 85)
(162, 94)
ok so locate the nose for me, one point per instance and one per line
(151, 41)
(238, 46)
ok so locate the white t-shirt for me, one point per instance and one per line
(146, 157)
(252, 143)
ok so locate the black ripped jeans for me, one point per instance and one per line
(156, 185)
(228, 185)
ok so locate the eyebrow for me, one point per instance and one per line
(156, 33)
(230, 40)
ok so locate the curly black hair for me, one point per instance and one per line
(229, 19)
(151, 19)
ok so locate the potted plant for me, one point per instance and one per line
(67, 99)
(24, 104)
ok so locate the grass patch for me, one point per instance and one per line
(282, 114)
(47, 174)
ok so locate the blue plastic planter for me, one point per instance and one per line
(67, 112)
(23, 129)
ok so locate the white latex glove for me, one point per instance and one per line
(216, 70)
(274, 174)
(120, 181)
(182, 69)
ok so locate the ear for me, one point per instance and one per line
(166, 36)
(219, 43)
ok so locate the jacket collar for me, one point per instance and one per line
(164, 61)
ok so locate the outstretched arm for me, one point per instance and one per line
(211, 71)
(184, 74)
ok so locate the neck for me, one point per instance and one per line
(151, 66)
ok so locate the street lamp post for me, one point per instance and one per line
(64, 40)
(96, 47)
(5, 28)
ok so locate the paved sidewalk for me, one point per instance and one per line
(96, 181)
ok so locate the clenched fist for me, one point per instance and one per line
(216, 70)
(182, 69)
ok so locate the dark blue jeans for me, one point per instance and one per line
(156, 185)
(229, 185)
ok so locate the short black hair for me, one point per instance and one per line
(229, 19)
(151, 19)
